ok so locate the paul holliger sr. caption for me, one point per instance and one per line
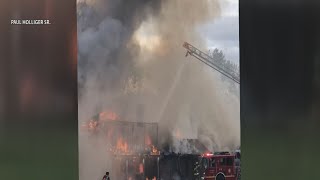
(30, 21)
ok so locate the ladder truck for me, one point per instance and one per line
(206, 59)
(216, 166)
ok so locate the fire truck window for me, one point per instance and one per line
(222, 161)
(226, 161)
(229, 161)
(205, 163)
(213, 162)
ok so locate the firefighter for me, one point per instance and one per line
(106, 177)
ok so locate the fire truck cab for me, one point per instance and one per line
(220, 166)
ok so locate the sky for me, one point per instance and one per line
(223, 32)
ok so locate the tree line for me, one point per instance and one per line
(219, 58)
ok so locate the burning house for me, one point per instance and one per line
(137, 155)
(136, 152)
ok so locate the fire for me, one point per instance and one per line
(155, 151)
(140, 168)
(108, 115)
(148, 140)
(149, 144)
(148, 40)
(122, 145)
(92, 125)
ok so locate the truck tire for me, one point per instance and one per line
(220, 177)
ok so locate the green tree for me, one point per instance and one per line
(219, 58)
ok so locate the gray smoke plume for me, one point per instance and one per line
(105, 62)
(131, 55)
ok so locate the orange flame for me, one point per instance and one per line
(108, 115)
(122, 145)
(92, 125)
(154, 150)
(148, 140)
(140, 168)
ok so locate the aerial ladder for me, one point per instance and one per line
(206, 59)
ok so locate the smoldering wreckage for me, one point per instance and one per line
(121, 41)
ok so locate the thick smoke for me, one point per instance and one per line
(131, 55)
(105, 28)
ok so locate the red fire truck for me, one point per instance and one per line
(218, 166)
